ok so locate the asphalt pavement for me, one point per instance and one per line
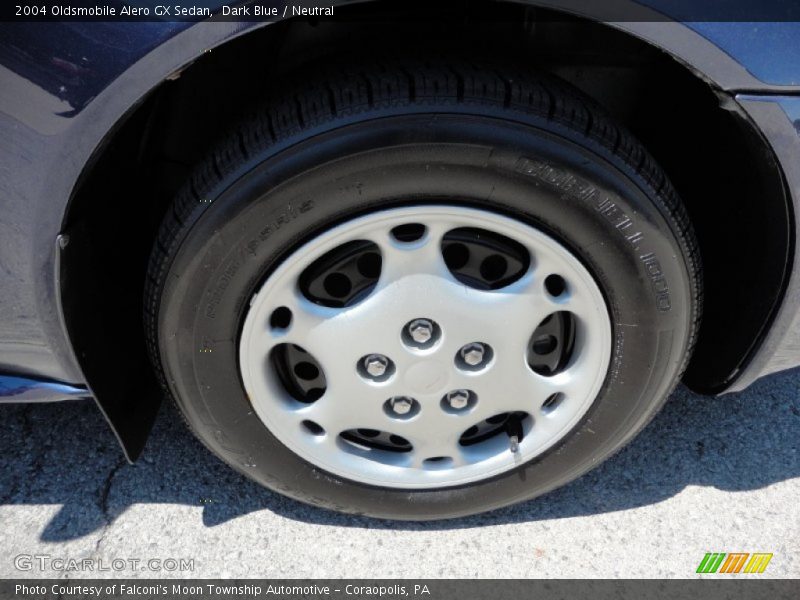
(707, 475)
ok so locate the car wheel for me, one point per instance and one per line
(417, 292)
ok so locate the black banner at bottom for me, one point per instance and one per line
(395, 589)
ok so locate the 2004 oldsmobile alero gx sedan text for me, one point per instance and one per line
(401, 266)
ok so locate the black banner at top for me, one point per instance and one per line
(274, 10)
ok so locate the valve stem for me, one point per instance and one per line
(514, 433)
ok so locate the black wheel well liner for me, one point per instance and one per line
(716, 158)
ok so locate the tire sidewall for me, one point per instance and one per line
(536, 171)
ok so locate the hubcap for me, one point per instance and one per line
(425, 347)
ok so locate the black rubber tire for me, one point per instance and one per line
(352, 140)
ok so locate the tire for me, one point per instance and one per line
(329, 154)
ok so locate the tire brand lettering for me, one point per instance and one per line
(622, 222)
(287, 216)
(657, 280)
(222, 285)
(619, 352)
(584, 190)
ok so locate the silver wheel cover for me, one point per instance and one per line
(415, 283)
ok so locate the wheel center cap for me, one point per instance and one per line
(426, 377)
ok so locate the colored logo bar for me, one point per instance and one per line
(734, 562)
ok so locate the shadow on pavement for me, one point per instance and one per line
(64, 454)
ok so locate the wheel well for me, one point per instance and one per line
(716, 159)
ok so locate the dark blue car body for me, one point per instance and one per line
(68, 88)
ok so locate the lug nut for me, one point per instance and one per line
(458, 399)
(473, 354)
(401, 405)
(376, 365)
(420, 330)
